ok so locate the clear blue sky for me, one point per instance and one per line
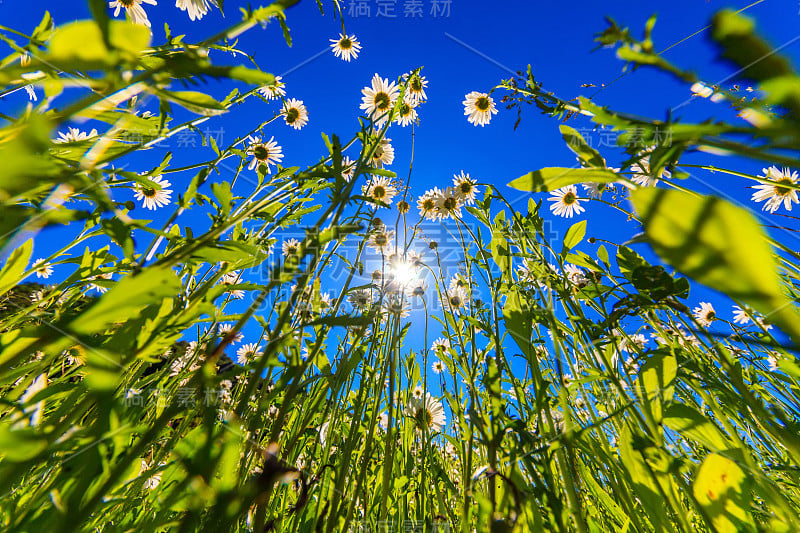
(472, 48)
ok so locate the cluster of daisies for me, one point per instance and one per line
(196, 9)
(380, 98)
(438, 204)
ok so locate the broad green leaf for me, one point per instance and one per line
(552, 178)
(658, 379)
(15, 266)
(718, 244)
(194, 101)
(83, 41)
(578, 144)
(643, 481)
(723, 490)
(690, 423)
(518, 320)
(127, 298)
(574, 236)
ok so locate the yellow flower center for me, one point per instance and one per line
(261, 152)
(482, 103)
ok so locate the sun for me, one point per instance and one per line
(404, 273)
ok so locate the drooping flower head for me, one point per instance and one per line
(346, 47)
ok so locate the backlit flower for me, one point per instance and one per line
(152, 197)
(704, 314)
(266, 153)
(778, 193)
(479, 107)
(346, 47)
(565, 202)
(295, 113)
(379, 99)
(134, 9)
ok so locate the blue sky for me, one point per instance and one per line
(471, 47)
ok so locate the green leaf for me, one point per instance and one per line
(222, 191)
(519, 322)
(83, 41)
(658, 379)
(643, 482)
(15, 266)
(127, 298)
(499, 244)
(574, 236)
(194, 101)
(578, 144)
(690, 423)
(723, 490)
(719, 245)
(552, 178)
(23, 444)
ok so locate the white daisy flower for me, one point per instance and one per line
(575, 275)
(642, 173)
(740, 315)
(248, 352)
(153, 481)
(427, 204)
(224, 329)
(42, 269)
(360, 299)
(459, 282)
(407, 113)
(99, 288)
(383, 154)
(440, 345)
(772, 360)
(448, 204)
(266, 153)
(380, 189)
(290, 247)
(415, 87)
(566, 202)
(438, 367)
(74, 135)
(134, 9)
(396, 306)
(480, 108)
(778, 193)
(454, 299)
(383, 420)
(427, 413)
(346, 47)
(276, 90)
(196, 8)
(633, 343)
(379, 99)
(465, 188)
(704, 314)
(348, 168)
(417, 392)
(153, 198)
(381, 241)
(295, 113)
